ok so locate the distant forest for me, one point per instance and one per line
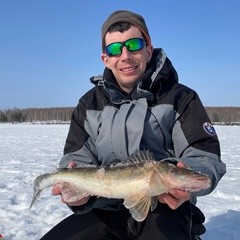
(218, 115)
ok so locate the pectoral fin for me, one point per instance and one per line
(138, 207)
(154, 203)
(132, 200)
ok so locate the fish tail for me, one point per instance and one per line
(36, 195)
(36, 188)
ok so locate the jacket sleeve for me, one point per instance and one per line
(195, 141)
(79, 146)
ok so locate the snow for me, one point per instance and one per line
(27, 151)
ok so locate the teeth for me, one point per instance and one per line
(128, 69)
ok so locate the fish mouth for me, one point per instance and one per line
(197, 183)
(188, 183)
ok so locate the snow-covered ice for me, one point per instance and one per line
(27, 151)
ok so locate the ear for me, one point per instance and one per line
(149, 52)
(105, 60)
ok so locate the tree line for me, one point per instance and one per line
(218, 115)
(33, 115)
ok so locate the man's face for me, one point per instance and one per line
(129, 66)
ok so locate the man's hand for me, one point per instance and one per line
(56, 190)
(174, 198)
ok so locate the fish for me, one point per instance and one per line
(137, 181)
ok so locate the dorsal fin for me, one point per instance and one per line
(140, 156)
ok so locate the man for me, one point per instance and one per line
(138, 104)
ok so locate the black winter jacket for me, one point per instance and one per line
(160, 114)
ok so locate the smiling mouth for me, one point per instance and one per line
(129, 69)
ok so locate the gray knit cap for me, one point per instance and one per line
(126, 16)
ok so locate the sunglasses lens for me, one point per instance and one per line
(133, 44)
(114, 49)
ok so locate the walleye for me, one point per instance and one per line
(137, 181)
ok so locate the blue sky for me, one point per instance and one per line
(49, 49)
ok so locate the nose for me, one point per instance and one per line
(126, 55)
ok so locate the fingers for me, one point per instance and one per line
(72, 165)
(56, 190)
(181, 165)
(174, 198)
(181, 195)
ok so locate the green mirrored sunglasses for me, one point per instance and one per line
(133, 44)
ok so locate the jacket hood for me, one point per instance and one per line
(158, 77)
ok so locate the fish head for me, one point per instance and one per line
(183, 178)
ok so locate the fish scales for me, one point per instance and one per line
(137, 181)
(110, 182)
